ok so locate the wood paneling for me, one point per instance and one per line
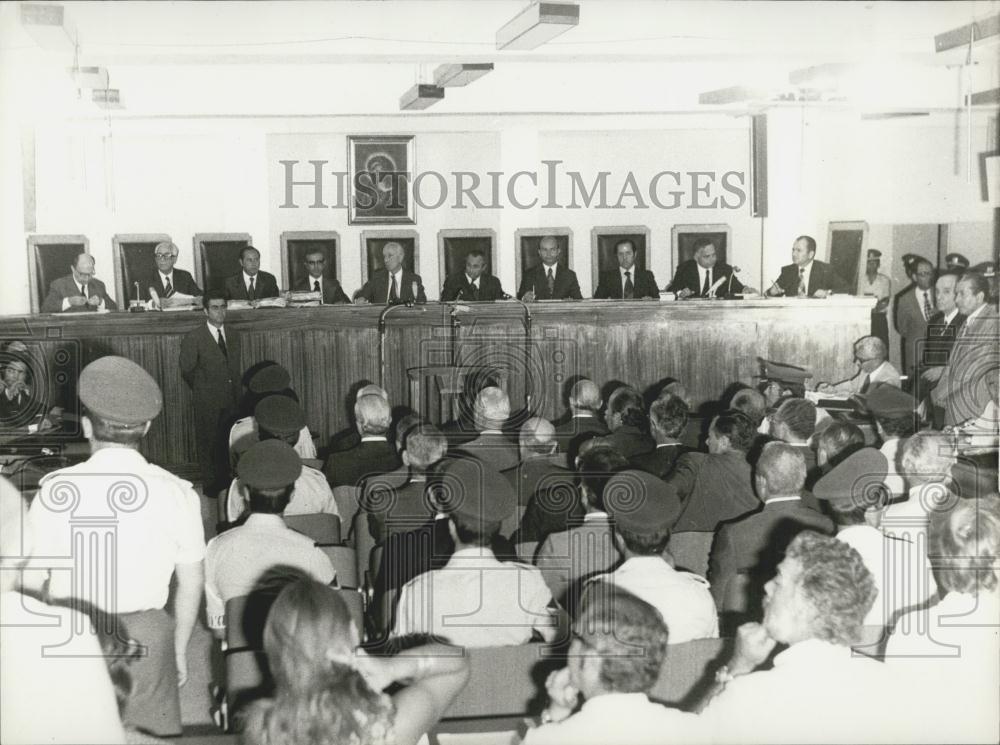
(706, 344)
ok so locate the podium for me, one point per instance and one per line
(451, 383)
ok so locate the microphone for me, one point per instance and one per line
(729, 289)
(460, 295)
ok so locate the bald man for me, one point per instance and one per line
(551, 279)
(870, 357)
(584, 415)
(392, 284)
(79, 291)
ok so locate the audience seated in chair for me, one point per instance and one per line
(618, 648)
(873, 366)
(269, 379)
(627, 423)
(325, 684)
(894, 413)
(642, 532)
(236, 559)
(583, 416)
(834, 443)
(491, 446)
(542, 481)
(668, 416)
(794, 423)
(373, 455)
(926, 460)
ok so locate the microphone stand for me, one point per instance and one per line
(729, 288)
(526, 323)
(381, 339)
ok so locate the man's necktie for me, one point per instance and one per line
(474, 291)
(928, 310)
(168, 290)
(803, 290)
(550, 282)
(629, 291)
(393, 291)
(868, 382)
(707, 284)
(251, 292)
(85, 289)
(315, 285)
(222, 343)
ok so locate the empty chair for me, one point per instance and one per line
(320, 526)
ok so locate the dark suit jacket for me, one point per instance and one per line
(713, 488)
(376, 289)
(566, 286)
(547, 490)
(213, 377)
(910, 323)
(963, 390)
(940, 339)
(492, 449)
(821, 277)
(755, 545)
(629, 441)
(568, 558)
(687, 277)
(610, 285)
(351, 467)
(265, 285)
(65, 287)
(573, 427)
(660, 461)
(489, 288)
(183, 283)
(333, 293)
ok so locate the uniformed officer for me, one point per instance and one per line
(269, 379)
(644, 509)
(875, 284)
(280, 418)
(127, 527)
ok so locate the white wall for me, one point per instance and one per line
(182, 176)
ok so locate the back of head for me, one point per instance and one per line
(871, 347)
(965, 545)
(795, 420)
(737, 428)
(668, 415)
(927, 457)
(403, 428)
(595, 467)
(751, 402)
(783, 469)
(425, 446)
(835, 583)
(270, 501)
(627, 633)
(492, 408)
(373, 415)
(585, 395)
(538, 436)
(626, 404)
(838, 440)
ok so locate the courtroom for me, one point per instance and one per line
(510, 371)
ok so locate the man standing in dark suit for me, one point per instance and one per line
(942, 329)
(627, 283)
(914, 309)
(754, 545)
(251, 283)
(392, 284)
(78, 291)
(167, 280)
(370, 457)
(474, 284)
(331, 293)
(806, 276)
(696, 277)
(550, 280)
(210, 365)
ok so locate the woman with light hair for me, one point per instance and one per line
(951, 651)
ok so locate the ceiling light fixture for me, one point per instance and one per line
(107, 98)
(537, 24)
(421, 96)
(48, 26)
(455, 75)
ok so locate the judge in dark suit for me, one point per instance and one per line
(550, 280)
(806, 276)
(78, 291)
(754, 545)
(914, 308)
(251, 283)
(167, 281)
(210, 365)
(392, 284)
(627, 282)
(696, 277)
(474, 284)
(331, 291)
(373, 455)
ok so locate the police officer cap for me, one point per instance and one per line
(279, 415)
(855, 479)
(956, 259)
(271, 464)
(270, 379)
(783, 372)
(473, 489)
(640, 502)
(874, 253)
(118, 390)
(887, 400)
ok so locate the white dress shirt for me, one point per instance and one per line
(256, 281)
(216, 332)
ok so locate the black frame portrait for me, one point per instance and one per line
(380, 168)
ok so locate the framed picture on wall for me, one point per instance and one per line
(684, 239)
(373, 241)
(381, 168)
(527, 240)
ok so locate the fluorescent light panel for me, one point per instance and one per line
(90, 77)
(537, 24)
(453, 76)
(107, 98)
(421, 96)
(48, 26)
(976, 31)
(733, 94)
